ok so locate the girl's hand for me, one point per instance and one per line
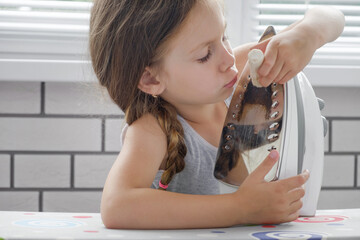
(285, 54)
(270, 202)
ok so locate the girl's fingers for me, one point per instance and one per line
(289, 75)
(281, 75)
(294, 182)
(263, 169)
(273, 75)
(296, 194)
(261, 45)
(270, 57)
(293, 216)
(295, 207)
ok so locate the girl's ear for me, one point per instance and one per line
(150, 84)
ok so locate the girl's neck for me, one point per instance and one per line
(204, 114)
(207, 121)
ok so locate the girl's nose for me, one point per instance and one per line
(227, 59)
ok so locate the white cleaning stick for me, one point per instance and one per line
(256, 57)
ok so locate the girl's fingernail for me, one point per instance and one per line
(306, 172)
(273, 154)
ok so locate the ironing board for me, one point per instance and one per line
(327, 224)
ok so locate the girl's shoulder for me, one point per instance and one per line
(146, 133)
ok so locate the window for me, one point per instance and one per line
(44, 40)
(335, 64)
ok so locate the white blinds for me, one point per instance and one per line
(44, 40)
(344, 51)
(47, 30)
(44, 18)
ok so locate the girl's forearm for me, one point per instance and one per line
(157, 209)
(325, 24)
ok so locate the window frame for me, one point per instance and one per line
(62, 54)
(241, 22)
(51, 47)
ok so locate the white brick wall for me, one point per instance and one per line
(345, 135)
(50, 134)
(80, 98)
(341, 167)
(84, 201)
(19, 200)
(59, 140)
(4, 170)
(339, 198)
(339, 171)
(112, 138)
(18, 97)
(91, 170)
(42, 171)
(57, 144)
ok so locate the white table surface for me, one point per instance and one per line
(327, 224)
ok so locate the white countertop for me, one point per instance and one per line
(327, 224)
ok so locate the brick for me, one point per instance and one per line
(50, 134)
(113, 133)
(84, 201)
(42, 171)
(340, 101)
(20, 97)
(338, 171)
(4, 170)
(345, 136)
(78, 98)
(91, 170)
(19, 201)
(339, 199)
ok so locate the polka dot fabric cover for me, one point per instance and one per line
(327, 224)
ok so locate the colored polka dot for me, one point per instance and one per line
(268, 226)
(82, 216)
(216, 231)
(321, 219)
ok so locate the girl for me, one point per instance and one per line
(169, 66)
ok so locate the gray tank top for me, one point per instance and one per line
(198, 174)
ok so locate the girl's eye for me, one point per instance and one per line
(206, 58)
(225, 38)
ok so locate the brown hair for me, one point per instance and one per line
(125, 37)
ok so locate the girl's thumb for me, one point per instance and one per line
(262, 45)
(261, 171)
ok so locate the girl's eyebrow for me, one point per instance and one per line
(207, 42)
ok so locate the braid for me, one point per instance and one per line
(119, 60)
(176, 148)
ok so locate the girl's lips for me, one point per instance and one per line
(232, 83)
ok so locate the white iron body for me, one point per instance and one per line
(303, 139)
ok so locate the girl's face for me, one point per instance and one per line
(199, 66)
